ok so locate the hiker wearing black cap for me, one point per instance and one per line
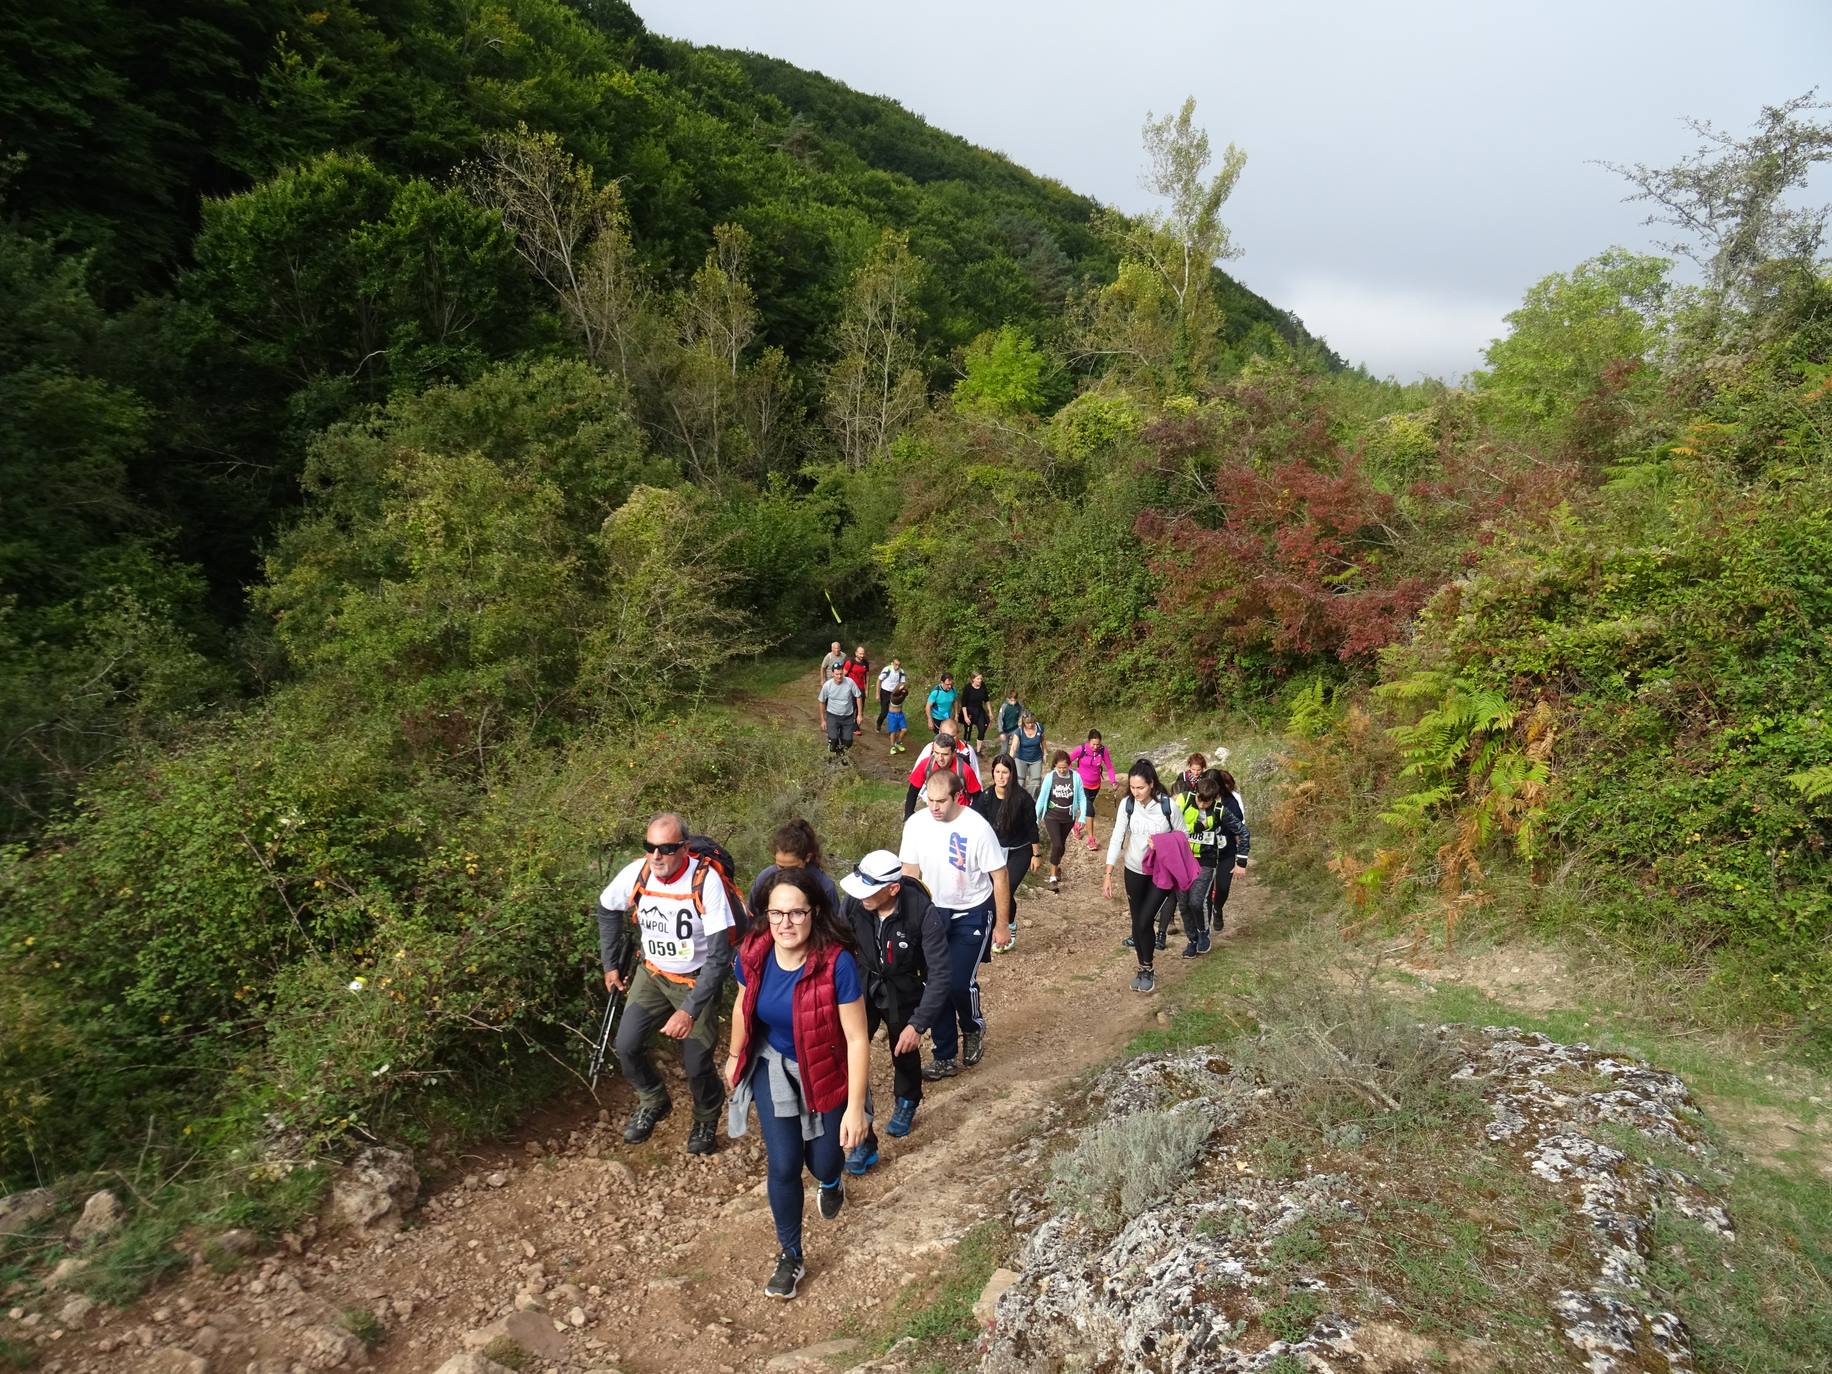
(903, 947)
(682, 920)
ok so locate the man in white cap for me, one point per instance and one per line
(903, 953)
(960, 860)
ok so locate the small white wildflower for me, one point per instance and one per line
(358, 984)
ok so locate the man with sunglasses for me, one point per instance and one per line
(674, 906)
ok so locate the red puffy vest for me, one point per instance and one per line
(820, 1043)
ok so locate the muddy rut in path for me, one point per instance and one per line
(652, 1260)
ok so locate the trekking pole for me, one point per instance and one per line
(613, 1005)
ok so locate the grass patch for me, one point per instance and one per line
(943, 1325)
(136, 1257)
(363, 1324)
(509, 1355)
(1291, 1319)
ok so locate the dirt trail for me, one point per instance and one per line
(666, 1254)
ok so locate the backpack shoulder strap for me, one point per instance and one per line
(641, 888)
(699, 885)
(1164, 806)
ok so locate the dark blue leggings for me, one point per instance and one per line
(789, 1154)
(969, 934)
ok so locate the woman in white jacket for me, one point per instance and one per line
(1147, 811)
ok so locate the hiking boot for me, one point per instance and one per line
(1127, 942)
(1145, 981)
(703, 1139)
(903, 1118)
(858, 1159)
(1160, 942)
(1202, 943)
(973, 1046)
(1191, 950)
(641, 1124)
(833, 1195)
(789, 1271)
(937, 1069)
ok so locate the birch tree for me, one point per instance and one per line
(874, 389)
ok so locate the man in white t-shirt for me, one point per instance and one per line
(889, 680)
(669, 910)
(958, 857)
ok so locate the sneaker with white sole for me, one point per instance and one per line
(789, 1272)
(833, 1195)
(937, 1069)
(1145, 981)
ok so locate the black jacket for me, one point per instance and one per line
(1023, 829)
(904, 957)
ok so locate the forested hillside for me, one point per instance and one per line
(412, 412)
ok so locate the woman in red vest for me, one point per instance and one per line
(801, 1052)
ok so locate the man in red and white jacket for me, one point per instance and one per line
(943, 756)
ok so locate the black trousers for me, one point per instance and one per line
(906, 1069)
(1145, 899)
(884, 706)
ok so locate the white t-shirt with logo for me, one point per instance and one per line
(891, 679)
(956, 859)
(669, 928)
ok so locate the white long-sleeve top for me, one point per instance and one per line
(1135, 834)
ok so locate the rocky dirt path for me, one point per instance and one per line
(596, 1256)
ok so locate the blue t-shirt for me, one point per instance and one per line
(776, 998)
(1030, 750)
(941, 703)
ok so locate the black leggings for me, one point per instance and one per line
(1058, 824)
(1145, 898)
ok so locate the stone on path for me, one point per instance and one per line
(811, 1357)
(172, 1360)
(20, 1212)
(472, 1363)
(376, 1192)
(986, 1309)
(101, 1217)
(532, 1331)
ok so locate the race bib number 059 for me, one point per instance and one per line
(667, 935)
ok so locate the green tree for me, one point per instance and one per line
(1005, 373)
(1176, 250)
(1570, 330)
(874, 388)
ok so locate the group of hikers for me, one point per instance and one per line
(897, 943)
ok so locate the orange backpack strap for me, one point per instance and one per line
(641, 889)
(699, 885)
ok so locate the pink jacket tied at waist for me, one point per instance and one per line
(1168, 861)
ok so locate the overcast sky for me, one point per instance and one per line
(1413, 165)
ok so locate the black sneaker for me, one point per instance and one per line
(832, 1198)
(973, 1046)
(789, 1272)
(642, 1122)
(1127, 942)
(937, 1069)
(1160, 942)
(703, 1139)
(1190, 951)
(1202, 943)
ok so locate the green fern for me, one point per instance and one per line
(1815, 784)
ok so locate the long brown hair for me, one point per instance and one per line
(825, 928)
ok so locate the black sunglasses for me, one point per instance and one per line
(672, 846)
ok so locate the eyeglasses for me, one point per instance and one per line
(794, 916)
(672, 847)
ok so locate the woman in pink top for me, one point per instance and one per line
(1090, 760)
